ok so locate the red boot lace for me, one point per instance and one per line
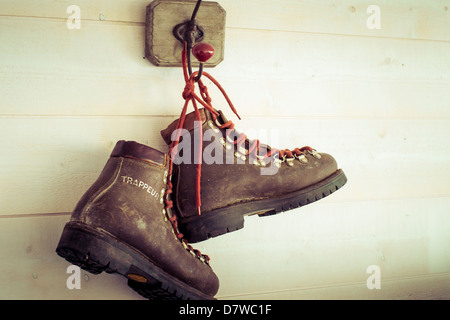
(205, 100)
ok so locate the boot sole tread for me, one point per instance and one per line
(95, 252)
(224, 220)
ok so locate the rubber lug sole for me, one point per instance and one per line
(224, 220)
(96, 251)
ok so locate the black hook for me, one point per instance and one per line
(190, 32)
(197, 6)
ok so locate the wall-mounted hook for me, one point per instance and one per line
(191, 33)
(171, 22)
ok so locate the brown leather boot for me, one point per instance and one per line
(220, 176)
(239, 177)
(124, 224)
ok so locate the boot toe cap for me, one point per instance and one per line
(326, 164)
(316, 168)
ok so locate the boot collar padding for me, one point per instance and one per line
(133, 149)
(188, 125)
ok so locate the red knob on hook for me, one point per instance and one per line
(203, 51)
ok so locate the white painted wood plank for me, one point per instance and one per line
(315, 252)
(400, 19)
(99, 70)
(119, 11)
(31, 269)
(282, 74)
(332, 244)
(51, 161)
(383, 158)
(413, 19)
(433, 287)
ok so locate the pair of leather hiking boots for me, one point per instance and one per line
(140, 215)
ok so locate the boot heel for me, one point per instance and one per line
(84, 248)
(149, 287)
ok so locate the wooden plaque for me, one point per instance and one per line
(161, 46)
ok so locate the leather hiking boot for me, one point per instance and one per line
(234, 183)
(124, 224)
(220, 176)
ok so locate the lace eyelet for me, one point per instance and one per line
(290, 162)
(243, 151)
(302, 158)
(240, 156)
(315, 154)
(230, 140)
(216, 121)
(161, 197)
(277, 162)
(212, 126)
(166, 173)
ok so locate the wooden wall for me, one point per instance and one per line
(300, 73)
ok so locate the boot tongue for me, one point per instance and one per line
(188, 124)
